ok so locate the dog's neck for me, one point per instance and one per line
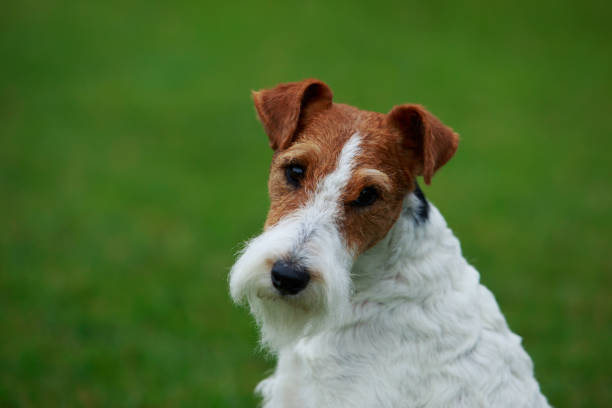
(412, 261)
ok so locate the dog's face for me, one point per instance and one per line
(337, 182)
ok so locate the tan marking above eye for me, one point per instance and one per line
(367, 177)
(374, 177)
(300, 152)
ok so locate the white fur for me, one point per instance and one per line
(406, 324)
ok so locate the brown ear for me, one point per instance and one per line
(433, 142)
(282, 110)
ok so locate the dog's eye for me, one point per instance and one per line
(367, 197)
(294, 173)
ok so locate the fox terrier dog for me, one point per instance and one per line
(359, 287)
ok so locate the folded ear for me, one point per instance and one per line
(432, 142)
(282, 110)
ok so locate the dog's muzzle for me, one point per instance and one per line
(289, 278)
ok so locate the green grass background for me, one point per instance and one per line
(132, 165)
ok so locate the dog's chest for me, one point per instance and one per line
(323, 373)
(471, 362)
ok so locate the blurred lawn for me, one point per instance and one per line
(131, 166)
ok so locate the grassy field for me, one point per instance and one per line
(132, 165)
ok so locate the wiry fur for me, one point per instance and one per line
(403, 322)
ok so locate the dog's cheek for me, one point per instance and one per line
(364, 228)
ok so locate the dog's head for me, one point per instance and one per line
(337, 182)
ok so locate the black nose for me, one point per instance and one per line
(289, 278)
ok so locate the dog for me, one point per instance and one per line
(359, 287)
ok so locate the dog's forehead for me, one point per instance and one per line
(327, 133)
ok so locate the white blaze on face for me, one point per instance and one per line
(311, 237)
